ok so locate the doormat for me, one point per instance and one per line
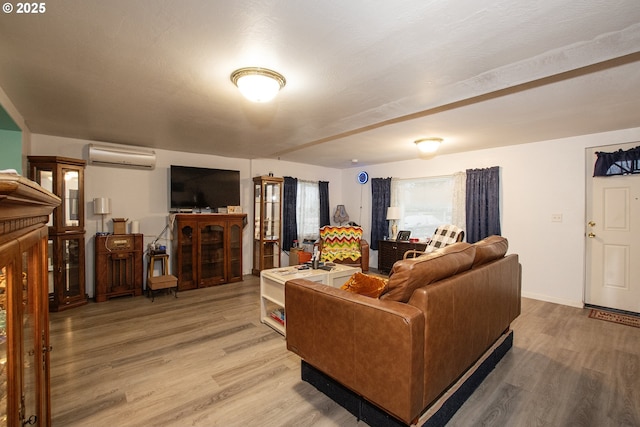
(624, 319)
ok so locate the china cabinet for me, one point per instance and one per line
(64, 177)
(207, 249)
(24, 317)
(267, 193)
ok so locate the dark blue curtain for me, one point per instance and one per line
(483, 203)
(323, 186)
(380, 201)
(289, 224)
(617, 163)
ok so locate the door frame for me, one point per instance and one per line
(589, 165)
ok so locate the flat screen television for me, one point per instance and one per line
(202, 188)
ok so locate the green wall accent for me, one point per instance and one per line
(6, 122)
(10, 143)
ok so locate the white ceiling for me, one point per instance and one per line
(364, 78)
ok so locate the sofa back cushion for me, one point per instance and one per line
(490, 249)
(410, 274)
(340, 243)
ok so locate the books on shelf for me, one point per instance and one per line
(278, 315)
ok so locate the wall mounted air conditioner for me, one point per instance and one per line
(120, 155)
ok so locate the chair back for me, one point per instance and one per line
(445, 235)
(340, 242)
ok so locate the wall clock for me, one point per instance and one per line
(363, 177)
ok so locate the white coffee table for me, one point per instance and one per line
(272, 288)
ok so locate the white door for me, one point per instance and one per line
(613, 238)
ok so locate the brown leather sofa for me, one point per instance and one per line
(440, 314)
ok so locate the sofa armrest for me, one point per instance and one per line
(373, 347)
(364, 255)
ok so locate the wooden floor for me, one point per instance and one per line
(204, 359)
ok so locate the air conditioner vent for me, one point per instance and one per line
(122, 156)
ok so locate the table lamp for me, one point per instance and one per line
(393, 214)
(102, 206)
(341, 214)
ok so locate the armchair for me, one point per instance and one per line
(344, 245)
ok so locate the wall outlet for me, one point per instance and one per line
(557, 217)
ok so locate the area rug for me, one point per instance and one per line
(624, 319)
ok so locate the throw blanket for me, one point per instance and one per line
(340, 243)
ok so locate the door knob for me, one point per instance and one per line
(591, 235)
(591, 224)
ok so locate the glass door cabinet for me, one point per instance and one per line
(207, 249)
(24, 317)
(267, 192)
(64, 177)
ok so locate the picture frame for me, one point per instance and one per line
(403, 235)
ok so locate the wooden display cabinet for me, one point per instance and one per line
(267, 192)
(24, 317)
(207, 249)
(119, 266)
(390, 251)
(64, 177)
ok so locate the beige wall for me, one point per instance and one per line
(537, 181)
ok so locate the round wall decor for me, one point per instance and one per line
(363, 177)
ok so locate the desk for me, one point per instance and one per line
(272, 288)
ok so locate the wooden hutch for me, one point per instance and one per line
(24, 316)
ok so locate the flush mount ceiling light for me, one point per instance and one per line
(427, 147)
(258, 84)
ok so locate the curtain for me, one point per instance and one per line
(483, 203)
(380, 201)
(307, 209)
(458, 211)
(323, 188)
(290, 227)
(617, 163)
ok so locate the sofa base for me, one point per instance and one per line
(438, 414)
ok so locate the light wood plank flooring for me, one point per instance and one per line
(204, 359)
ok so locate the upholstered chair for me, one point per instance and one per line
(344, 245)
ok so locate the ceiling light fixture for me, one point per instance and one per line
(258, 84)
(427, 147)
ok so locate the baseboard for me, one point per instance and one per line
(438, 414)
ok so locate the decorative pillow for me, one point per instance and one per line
(363, 284)
(489, 249)
(410, 274)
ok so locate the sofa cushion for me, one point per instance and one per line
(410, 274)
(365, 284)
(490, 249)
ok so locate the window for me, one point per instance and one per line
(307, 210)
(425, 203)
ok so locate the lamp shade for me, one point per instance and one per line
(393, 212)
(341, 214)
(101, 205)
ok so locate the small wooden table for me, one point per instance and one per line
(164, 281)
(272, 288)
